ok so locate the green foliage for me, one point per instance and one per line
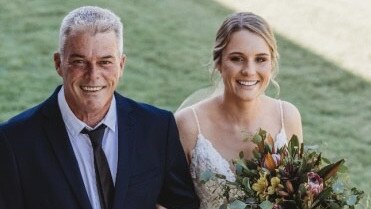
(206, 176)
(266, 205)
(237, 205)
(293, 178)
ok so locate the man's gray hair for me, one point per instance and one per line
(92, 19)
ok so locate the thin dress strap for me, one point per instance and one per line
(281, 109)
(198, 123)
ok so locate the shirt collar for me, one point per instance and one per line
(75, 125)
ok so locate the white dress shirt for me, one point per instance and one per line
(83, 149)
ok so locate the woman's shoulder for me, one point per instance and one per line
(188, 130)
(290, 111)
(292, 120)
(189, 117)
(188, 122)
(185, 118)
(290, 116)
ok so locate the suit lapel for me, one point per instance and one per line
(59, 140)
(126, 138)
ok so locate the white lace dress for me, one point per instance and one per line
(206, 158)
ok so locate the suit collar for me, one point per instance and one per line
(126, 130)
(59, 140)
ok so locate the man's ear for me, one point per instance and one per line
(57, 63)
(122, 64)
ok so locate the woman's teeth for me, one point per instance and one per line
(248, 83)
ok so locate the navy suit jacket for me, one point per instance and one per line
(38, 168)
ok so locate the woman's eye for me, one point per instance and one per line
(236, 59)
(261, 59)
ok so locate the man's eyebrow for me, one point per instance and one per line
(107, 57)
(77, 55)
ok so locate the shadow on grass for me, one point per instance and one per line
(334, 105)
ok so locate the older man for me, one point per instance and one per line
(87, 147)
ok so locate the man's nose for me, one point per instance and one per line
(93, 71)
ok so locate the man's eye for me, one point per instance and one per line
(105, 62)
(78, 62)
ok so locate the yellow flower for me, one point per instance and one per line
(275, 182)
(261, 185)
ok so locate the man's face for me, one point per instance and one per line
(90, 66)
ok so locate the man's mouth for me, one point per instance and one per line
(91, 88)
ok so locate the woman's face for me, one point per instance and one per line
(245, 66)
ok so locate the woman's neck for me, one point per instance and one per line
(243, 114)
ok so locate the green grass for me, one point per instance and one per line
(168, 45)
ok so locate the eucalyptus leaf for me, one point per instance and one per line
(257, 139)
(206, 176)
(266, 205)
(338, 187)
(224, 206)
(246, 183)
(241, 163)
(239, 169)
(237, 204)
(352, 200)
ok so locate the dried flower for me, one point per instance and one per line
(315, 184)
(277, 159)
(269, 162)
(276, 206)
(275, 178)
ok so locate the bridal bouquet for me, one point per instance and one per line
(287, 177)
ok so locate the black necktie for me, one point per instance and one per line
(102, 171)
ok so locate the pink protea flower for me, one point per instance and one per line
(276, 206)
(315, 184)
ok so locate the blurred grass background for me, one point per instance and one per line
(168, 45)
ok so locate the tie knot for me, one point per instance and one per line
(95, 135)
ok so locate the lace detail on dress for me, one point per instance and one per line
(206, 158)
(281, 137)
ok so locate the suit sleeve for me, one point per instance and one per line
(10, 187)
(177, 191)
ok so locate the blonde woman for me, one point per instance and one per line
(211, 131)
